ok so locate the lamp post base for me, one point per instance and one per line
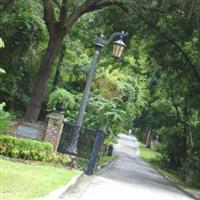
(71, 151)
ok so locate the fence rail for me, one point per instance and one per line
(89, 146)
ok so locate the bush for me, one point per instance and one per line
(191, 169)
(1, 43)
(157, 146)
(27, 149)
(24, 148)
(61, 159)
(81, 163)
(4, 120)
(61, 96)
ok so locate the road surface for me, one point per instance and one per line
(128, 178)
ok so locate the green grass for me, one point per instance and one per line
(149, 155)
(105, 159)
(153, 158)
(19, 181)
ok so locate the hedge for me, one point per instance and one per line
(25, 148)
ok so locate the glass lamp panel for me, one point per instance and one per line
(118, 51)
(121, 49)
(114, 49)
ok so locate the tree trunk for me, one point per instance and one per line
(58, 68)
(39, 89)
(148, 140)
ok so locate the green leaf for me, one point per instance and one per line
(2, 71)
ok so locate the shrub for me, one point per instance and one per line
(81, 163)
(191, 169)
(157, 146)
(4, 120)
(1, 43)
(25, 149)
(61, 159)
(61, 96)
(32, 150)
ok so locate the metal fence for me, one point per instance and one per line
(89, 146)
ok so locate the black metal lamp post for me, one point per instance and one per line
(118, 48)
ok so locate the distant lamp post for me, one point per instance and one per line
(118, 48)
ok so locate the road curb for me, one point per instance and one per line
(55, 194)
(105, 165)
(175, 185)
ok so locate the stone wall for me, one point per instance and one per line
(54, 129)
(49, 131)
(40, 126)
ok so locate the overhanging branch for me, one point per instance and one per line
(91, 6)
(176, 45)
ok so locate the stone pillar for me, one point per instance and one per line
(55, 123)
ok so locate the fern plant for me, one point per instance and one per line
(61, 96)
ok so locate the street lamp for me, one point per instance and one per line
(118, 48)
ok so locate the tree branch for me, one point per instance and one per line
(170, 40)
(49, 16)
(186, 123)
(179, 120)
(101, 5)
(57, 4)
(90, 6)
(176, 106)
(79, 12)
(154, 9)
(63, 12)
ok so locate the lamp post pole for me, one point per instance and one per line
(72, 149)
(100, 42)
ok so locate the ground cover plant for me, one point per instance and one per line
(21, 181)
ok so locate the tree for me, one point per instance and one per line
(4, 116)
(58, 26)
(2, 71)
(25, 35)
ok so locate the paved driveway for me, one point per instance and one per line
(128, 178)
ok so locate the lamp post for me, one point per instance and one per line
(118, 48)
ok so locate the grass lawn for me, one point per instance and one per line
(153, 158)
(19, 181)
(149, 155)
(105, 159)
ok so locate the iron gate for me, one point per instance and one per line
(89, 146)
